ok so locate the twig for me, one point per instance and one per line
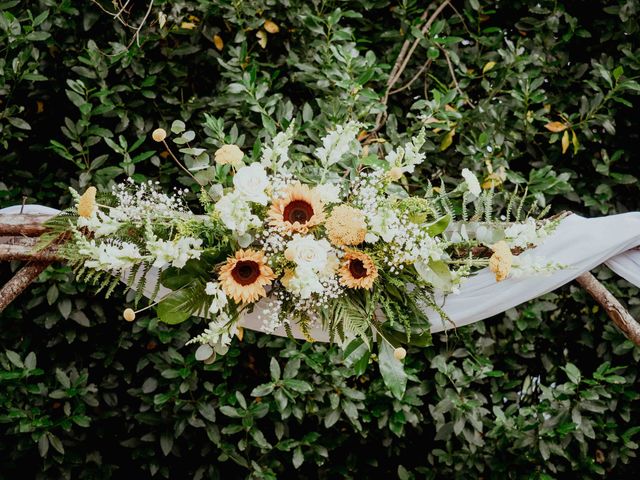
(116, 16)
(616, 311)
(402, 61)
(453, 76)
(426, 65)
(185, 169)
(136, 35)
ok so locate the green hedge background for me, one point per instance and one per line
(548, 390)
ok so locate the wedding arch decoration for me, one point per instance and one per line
(321, 243)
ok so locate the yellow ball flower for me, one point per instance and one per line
(129, 315)
(159, 134)
(346, 226)
(399, 353)
(229, 154)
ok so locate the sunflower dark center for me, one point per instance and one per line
(357, 269)
(298, 211)
(246, 272)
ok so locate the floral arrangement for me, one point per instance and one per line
(325, 236)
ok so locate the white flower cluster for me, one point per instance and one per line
(276, 156)
(405, 159)
(143, 202)
(269, 314)
(524, 234)
(110, 256)
(174, 252)
(235, 210)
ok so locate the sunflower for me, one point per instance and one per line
(357, 270)
(244, 276)
(299, 209)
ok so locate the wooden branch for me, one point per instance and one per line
(20, 281)
(21, 248)
(616, 311)
(29, 225)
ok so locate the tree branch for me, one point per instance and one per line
(616, 311)
(20, 281)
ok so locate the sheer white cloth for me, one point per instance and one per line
(578, 243)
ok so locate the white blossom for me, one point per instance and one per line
(329, 193)
(472, 182)
(276, 156)
(304, 283)
(524, 234)
(110, 257)
(219, 300)
(338, 143)
(384, 223)
(100, 224)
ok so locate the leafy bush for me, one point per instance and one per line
(540, 92)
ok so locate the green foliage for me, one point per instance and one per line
(544, 95)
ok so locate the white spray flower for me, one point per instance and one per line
(219, 300)
(472, 182)
(338, 143)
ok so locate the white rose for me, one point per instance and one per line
(329, 193)
(472, 182)
(306, 251)
(250, 182)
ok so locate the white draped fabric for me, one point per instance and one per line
(578, 243)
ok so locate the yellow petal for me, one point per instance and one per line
(262, 38)
(271, 27)
(240, 333)
(555, 127)
(565, 141)
(217, 41)
(188, 25)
